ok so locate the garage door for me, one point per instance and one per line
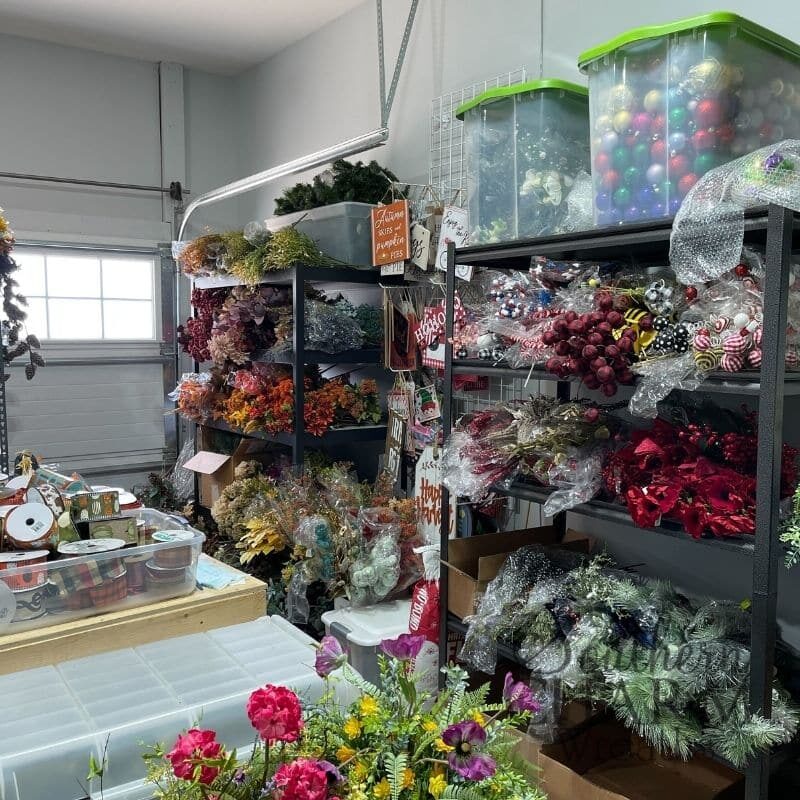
(106, 324)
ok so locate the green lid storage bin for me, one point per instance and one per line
(670, 102)
(523, 146)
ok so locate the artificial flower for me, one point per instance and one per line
(519, 696)
(731, 524)
(301, 779)
(329, 657)
(476, 716)
(405, 647)
(275, 713)
(332, 771)
(442, 746)
(352, 728)
(466, 739)
(382, 790)
(644, 510)
(694, 519)
(368, 706)
(719, 494)
(344, 754)
(189, 752)
(359, 771)
(429, 725)
(408, 778)
(436, 785)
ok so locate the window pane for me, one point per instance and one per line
(75, 319)
(73, 276)
(128, 319)
(30, 274)
(128, 278)
(36, 323)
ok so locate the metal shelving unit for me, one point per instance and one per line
(299, 357)
(777, 229)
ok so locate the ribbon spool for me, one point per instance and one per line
(30, 604)
(163, 576)
(26, 576)
(31, 526)
(90, 546)
(173, 557)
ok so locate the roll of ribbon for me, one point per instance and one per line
(137, 573)
(26, 574)
(30, 604)
(31, 526)
(90, 546)
(173, 556)
(109, 592)
(164, 576)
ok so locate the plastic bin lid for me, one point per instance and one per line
(500, 92)
(773, 40)
(369, 626)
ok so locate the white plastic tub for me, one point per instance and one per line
(360, 631)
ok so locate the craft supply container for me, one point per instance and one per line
(70, 588)
(670, 102)
(523, 146)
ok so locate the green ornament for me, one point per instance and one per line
(703, 162)
(622, 197)
(678, 117)
(620, 158)
(632, 177)
(641, 154)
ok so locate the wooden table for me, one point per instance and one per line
(200, 611)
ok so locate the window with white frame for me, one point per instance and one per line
(88, 295)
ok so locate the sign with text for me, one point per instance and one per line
(428, 495)
(420, 245)
(455, 229)
(391, 238)
(395, 437)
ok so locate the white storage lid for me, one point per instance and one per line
(369, 626)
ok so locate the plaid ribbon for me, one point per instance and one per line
(86, 575)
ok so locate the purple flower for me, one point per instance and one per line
(405, 647)
(334, 776)
(466, 739)
(239, 777)
(330, 656)
(519, 696)
(773, 161)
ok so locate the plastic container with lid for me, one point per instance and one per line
(360, 631)
(341, 230)
(523, 146)
(97, 575)
(670, 102)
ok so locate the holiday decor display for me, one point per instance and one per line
(670, 102)
(524, 146)
(394, 741)
(17, 340)
(673, 670)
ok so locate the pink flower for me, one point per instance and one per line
(330, 656)
(301, 779)
(405, 647)
(467, 739)
(275, 713)
(190, 751)
(519, 695)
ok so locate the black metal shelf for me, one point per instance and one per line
(303, 272)
(366, 356)
(747, 382)
(335, 436)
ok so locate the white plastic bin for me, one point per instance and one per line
(341, 230)
(360, 631)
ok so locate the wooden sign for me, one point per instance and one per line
(420, 245)
(455, 229)
(391, 239)
(395, 436)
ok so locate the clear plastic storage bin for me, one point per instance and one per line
(342, 230)
(74, 587)
(670, 102)
(523, 146)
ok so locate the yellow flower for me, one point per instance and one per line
(352, 728)
(359, 771)
(437, 785)
(440, 745)
(344, 753)
(478, 717)
(368, 706)
(356, 793)
(429, 725)
(382, 790)
(408, 778)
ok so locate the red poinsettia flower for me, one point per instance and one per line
(650, 454)
(694, 518)
(731, 524)
(644, 510)
(719, 492)
(665, 494)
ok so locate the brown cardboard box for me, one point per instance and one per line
(473, 562)
(605, 761)
(216, 470)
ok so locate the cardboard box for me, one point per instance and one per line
(216, 470)
(605, 761)
(473, 562)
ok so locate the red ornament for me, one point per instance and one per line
(742, 270)
(608, 389)
(562, 348)
(658, 151)
(610, 179)
(704, 140)
(708, 113)
(605, 374)
(726, 133)
(659, 123)
(591, 415)
(614, 318)
(686, 183)
(678, 166)
(646, 322)
(590, 381)
(602, 161)
(690, 293)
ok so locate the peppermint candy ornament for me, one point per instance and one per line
(757, 334)
(735, 344)
(707, 360)
(721, 323)
(754, 358)
(702, 341)
(791, 359)
(732, 362)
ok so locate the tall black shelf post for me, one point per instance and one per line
(298, 366)
(4, 454)
(768, 482)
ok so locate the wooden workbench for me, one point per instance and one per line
(202, 610)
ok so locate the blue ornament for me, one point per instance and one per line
(674, 205)
(677, 142)
(658, 209)
(645, 196)
(603, 201)
(609, 141)
(631, 213)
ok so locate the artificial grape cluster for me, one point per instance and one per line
(596, 346)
